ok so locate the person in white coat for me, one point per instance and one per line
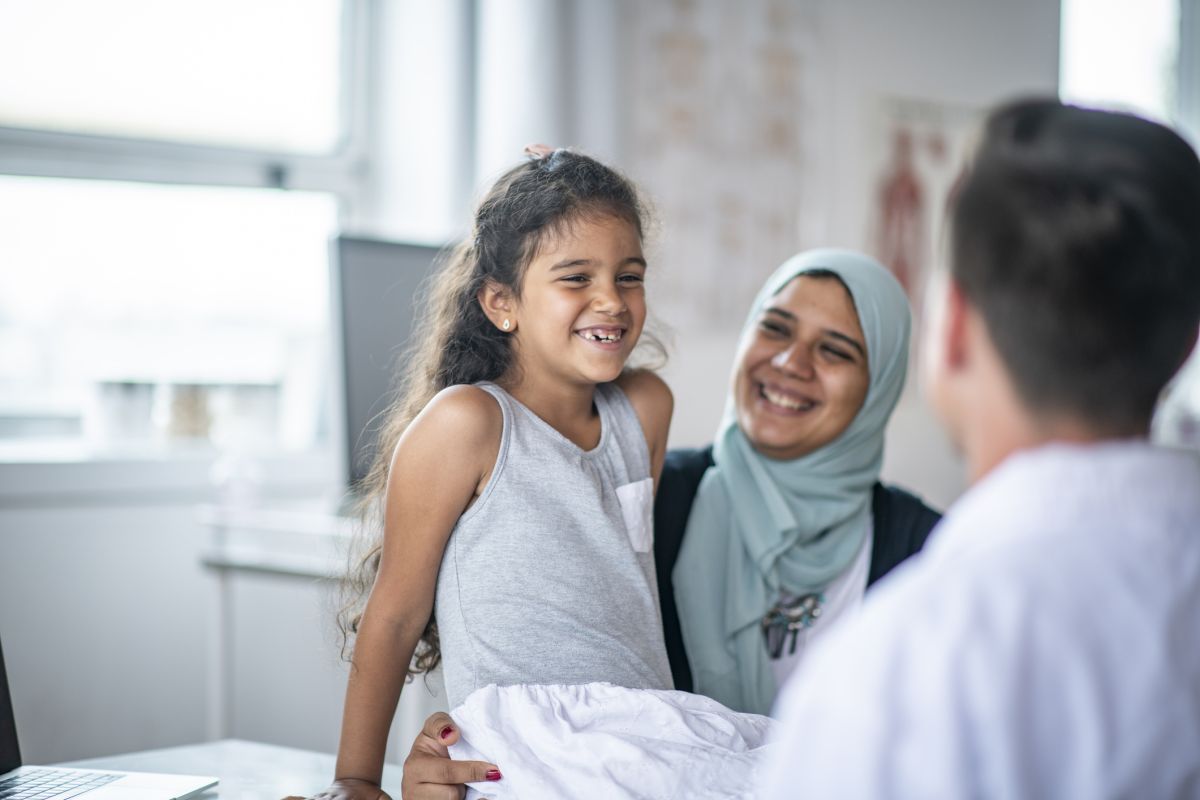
(1044, 643)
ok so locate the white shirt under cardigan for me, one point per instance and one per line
(842, 598)
(1045, 644)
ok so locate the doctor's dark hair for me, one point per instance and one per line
(455, 343)
(1076, 233)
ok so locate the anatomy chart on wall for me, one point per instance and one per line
(723, 98)
(915, 153)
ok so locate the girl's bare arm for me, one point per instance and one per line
(440, 465)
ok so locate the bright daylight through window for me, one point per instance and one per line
(141, 311)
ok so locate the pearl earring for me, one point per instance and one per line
(506, 325)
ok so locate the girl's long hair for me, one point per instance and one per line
(455, 343)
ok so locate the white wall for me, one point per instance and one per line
(105, 607)
(970, 54)
(103, 602)
(103, 617)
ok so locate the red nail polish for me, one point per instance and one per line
(445, 732)
(493, 775)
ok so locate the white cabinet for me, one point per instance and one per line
(275, 669)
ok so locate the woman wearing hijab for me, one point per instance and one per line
(768, 536)
(765, 538)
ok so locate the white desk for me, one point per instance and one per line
(248, 770)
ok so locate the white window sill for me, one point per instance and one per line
(70, 473)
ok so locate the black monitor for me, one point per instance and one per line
(375, 284)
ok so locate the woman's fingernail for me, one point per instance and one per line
(493, 775)
(446, 731)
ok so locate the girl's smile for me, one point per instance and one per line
(602, 336)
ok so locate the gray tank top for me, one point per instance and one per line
(549, 576)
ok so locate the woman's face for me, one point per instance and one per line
(802, 374)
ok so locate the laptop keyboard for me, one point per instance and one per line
(53, 784)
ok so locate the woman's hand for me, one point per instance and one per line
(349, 789)
(430, 774)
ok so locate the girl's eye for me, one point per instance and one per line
(575, 278)
(631, 279)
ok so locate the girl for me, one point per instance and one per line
(517, 494)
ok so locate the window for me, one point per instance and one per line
(1120, 54)
(262, 75)
(121, 299)
(170, 178)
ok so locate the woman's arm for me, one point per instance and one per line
(440, 465)
(654, 404)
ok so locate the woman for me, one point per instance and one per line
(766, 537)
(763, 539)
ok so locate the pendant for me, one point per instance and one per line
(783, 622)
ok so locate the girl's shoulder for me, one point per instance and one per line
(459, 418)
(649, 394)
(439, 466)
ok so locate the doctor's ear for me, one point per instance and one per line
(944, 336)
(956, 310)
(498, 305)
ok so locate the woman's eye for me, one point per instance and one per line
(773, 328)
(837, 354)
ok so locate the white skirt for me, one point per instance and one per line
(600, 740)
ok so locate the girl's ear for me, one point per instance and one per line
(498, 305)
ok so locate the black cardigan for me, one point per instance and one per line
(901, 524)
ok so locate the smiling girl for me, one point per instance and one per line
(516, 478)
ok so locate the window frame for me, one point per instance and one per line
(43, 153)
(1187, 71)
(34, 152)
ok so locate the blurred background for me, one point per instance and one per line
(195, 198)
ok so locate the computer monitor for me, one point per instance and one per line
(375, 285)
(10, 750)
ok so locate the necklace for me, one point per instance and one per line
(784, 621)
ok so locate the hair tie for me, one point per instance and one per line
(538, 151)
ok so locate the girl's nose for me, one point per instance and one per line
(795, 361)
(608, 299)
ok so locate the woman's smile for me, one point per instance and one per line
(780, 400)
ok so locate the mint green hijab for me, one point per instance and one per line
(759, 525)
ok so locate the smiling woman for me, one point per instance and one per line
(767, 538)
